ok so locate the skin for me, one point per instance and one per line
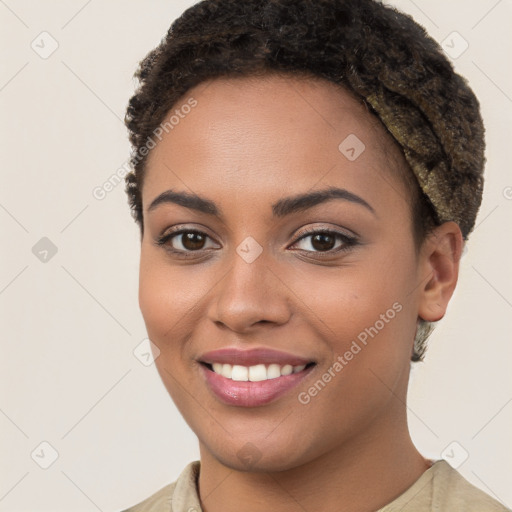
(248, 143)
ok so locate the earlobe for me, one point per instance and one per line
(439, 266)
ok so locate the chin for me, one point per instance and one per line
(267, 454)
(249, 460)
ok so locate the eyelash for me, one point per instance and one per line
(348, 241)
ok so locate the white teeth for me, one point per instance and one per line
(287, 369)
(255, 373)
(273, 371)
(226, 371)
(240, 373)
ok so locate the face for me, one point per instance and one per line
(253, 282)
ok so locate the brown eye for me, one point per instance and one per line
(185, 241)
(324, 241)
(192, 241)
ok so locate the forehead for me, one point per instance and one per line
(263, 136)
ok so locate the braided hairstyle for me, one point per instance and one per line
(380, 55)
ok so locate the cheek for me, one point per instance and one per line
(166, 300)
(365, 313)
(367, 325)
(165, 297)
(349, 299)
(153, 298)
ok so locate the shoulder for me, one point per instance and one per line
(451, 491)
(155, 502)
(443, 489)
(184, 489)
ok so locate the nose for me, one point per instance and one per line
(249, 294)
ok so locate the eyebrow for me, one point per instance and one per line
(283, 207)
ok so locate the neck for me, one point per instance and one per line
(361, 475)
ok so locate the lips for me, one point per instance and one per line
(251, 378)
(252, 357)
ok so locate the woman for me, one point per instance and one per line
(305, 176)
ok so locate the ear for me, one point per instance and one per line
(439, 268)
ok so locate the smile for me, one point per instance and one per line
(255, 373)
(252, 378)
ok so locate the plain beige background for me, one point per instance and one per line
(70, 320)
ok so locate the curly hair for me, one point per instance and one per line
(380, 55)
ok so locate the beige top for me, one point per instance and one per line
(440, 488)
